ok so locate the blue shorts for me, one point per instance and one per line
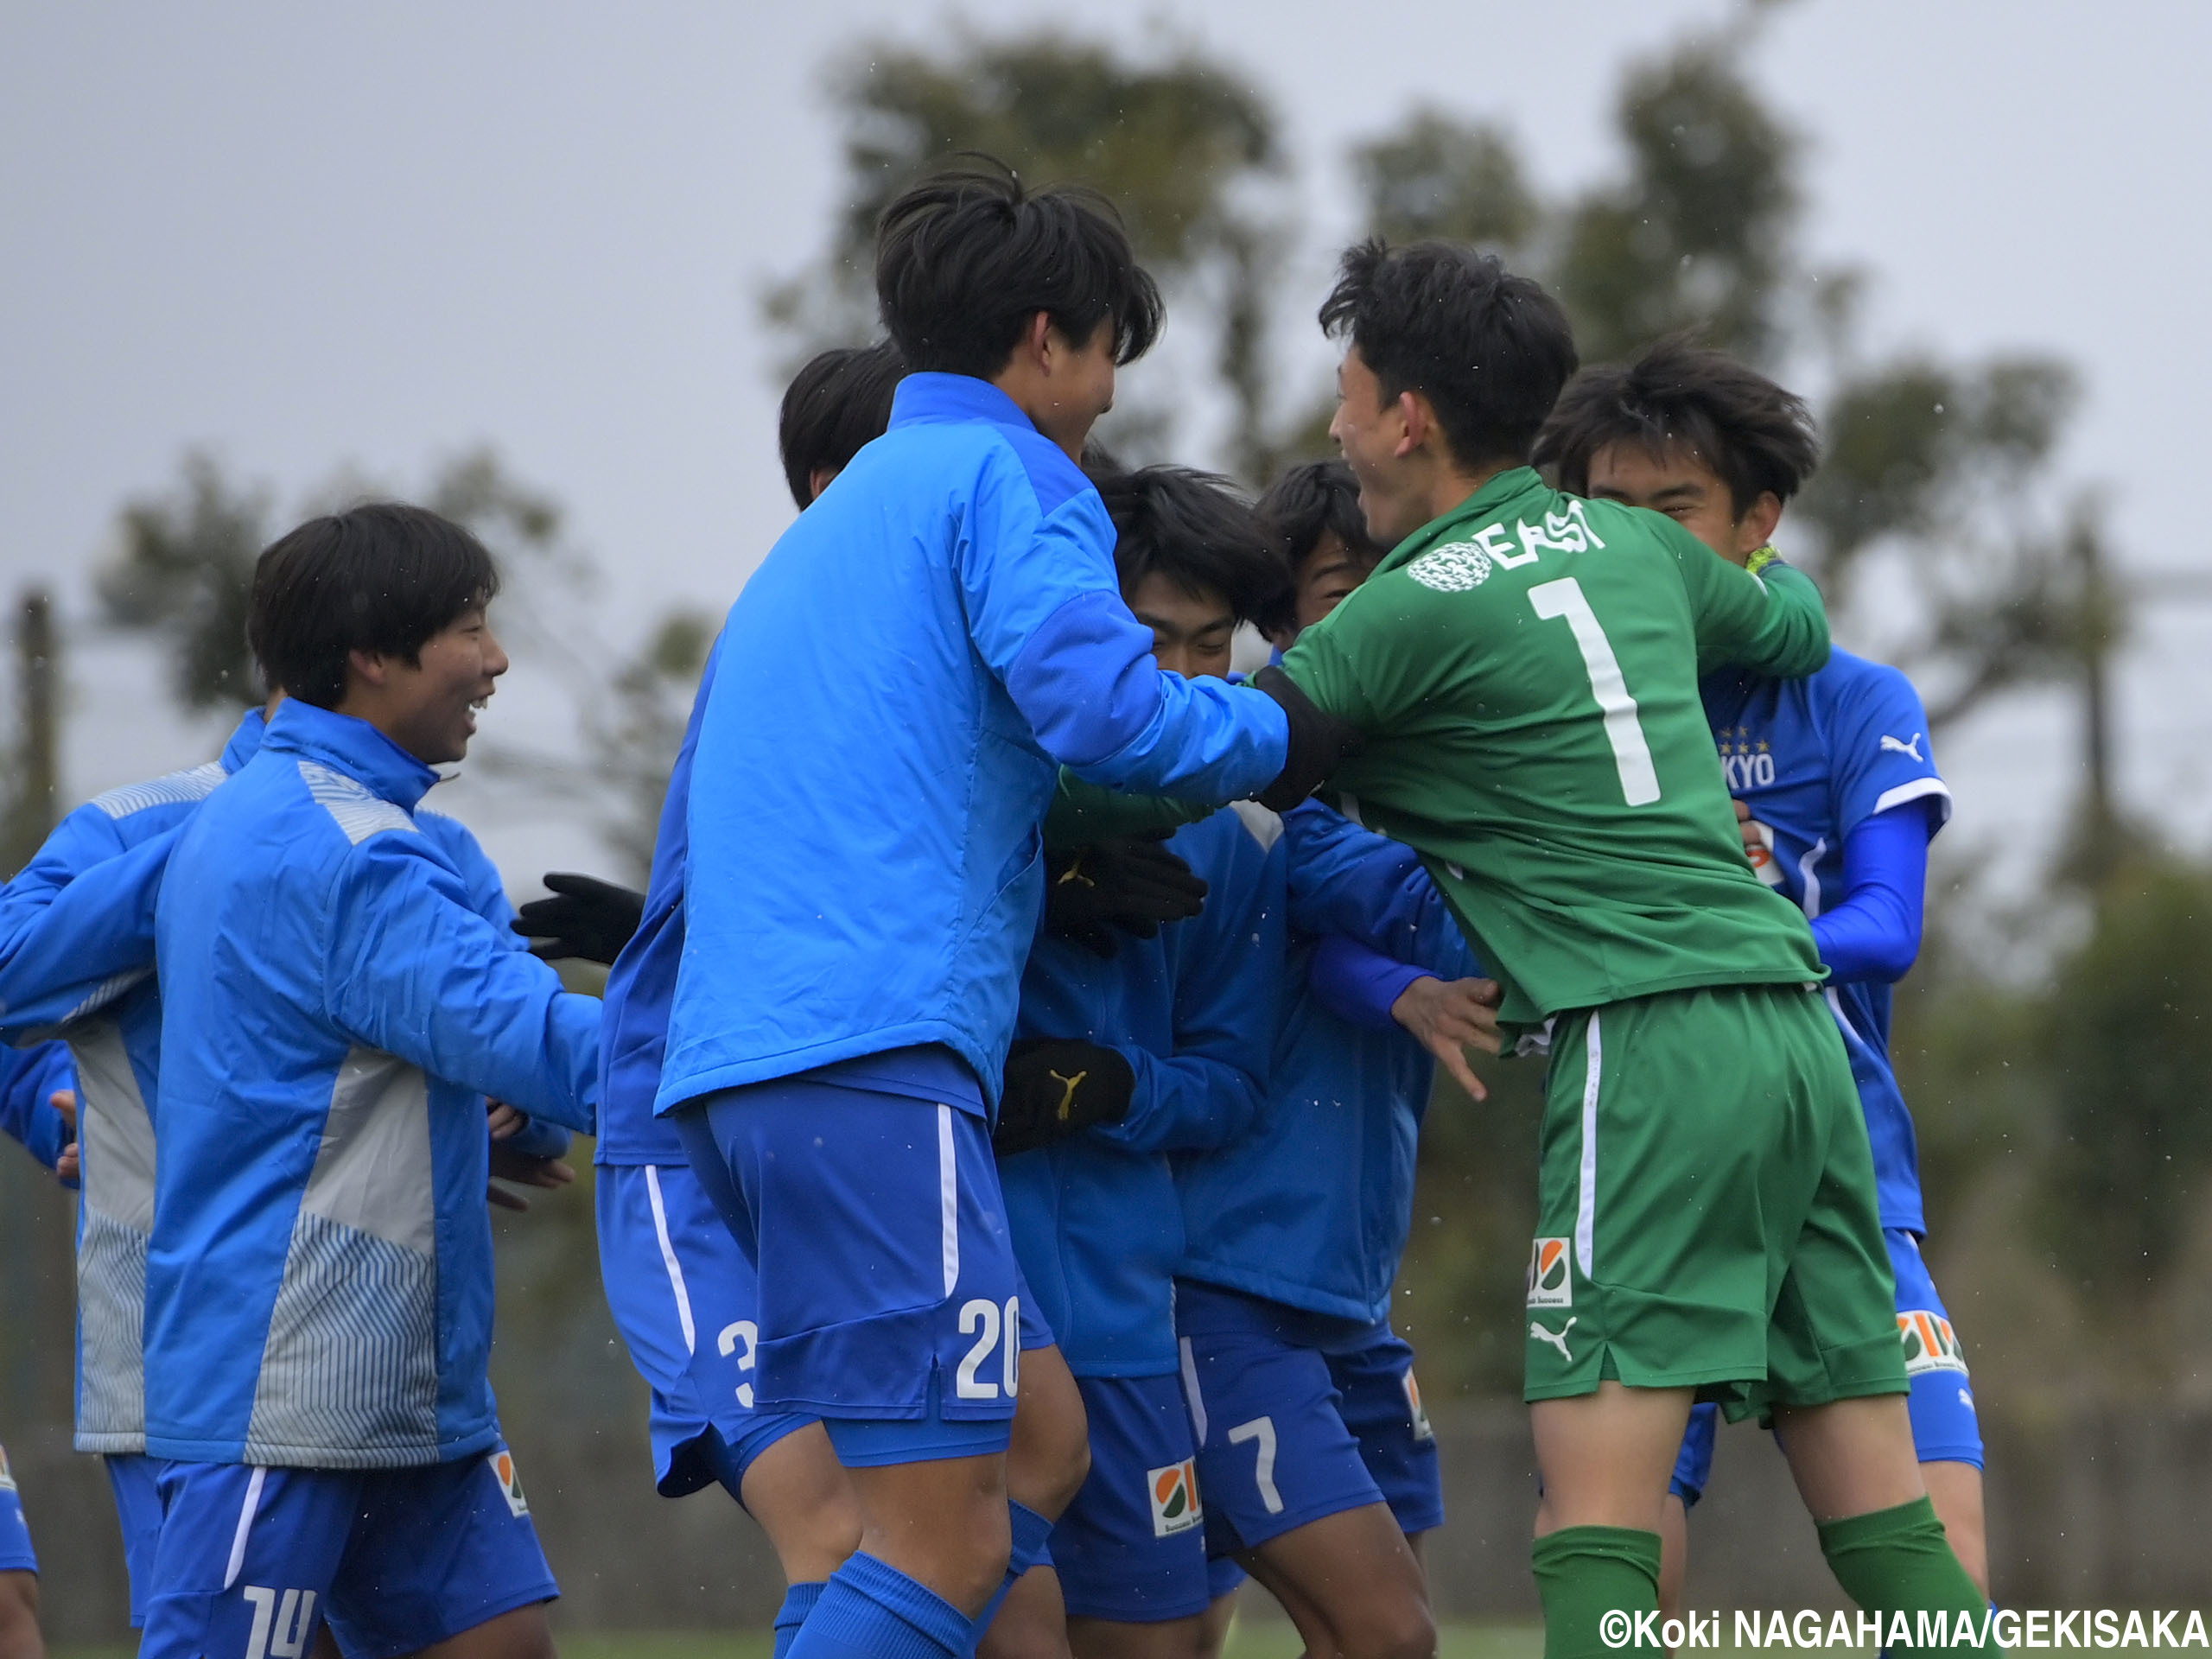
(682, 1294)
(1275, 1448)
(1132, 1546)
(251, 1560)
(887, 1290)
(16, 1554)
(134, 1478)
(1224, 1577)
(1945, 1426)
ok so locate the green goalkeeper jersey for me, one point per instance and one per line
(1525, 670)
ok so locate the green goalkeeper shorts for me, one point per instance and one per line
(1705, 1213)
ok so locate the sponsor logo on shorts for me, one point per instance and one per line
(1174, 1494)
(1930, 1344)
(503, 1470)
(1550, 1282)
(6, 1475)
(1422, 1431)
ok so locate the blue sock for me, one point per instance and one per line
(799, 1602)
(869, 1611)
(1030, 1530)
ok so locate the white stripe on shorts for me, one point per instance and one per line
(1190, 1394)
(245, 1526)
(668, 1260)
(947, 1199)
(1586, 1215)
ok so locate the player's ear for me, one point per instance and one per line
(1416, 420)
(1756, 528)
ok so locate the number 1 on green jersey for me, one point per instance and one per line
(1631, 755)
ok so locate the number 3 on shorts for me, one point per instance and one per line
(982, 1320)
(1631, 755)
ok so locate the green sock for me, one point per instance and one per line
(1583, 1573)
(1897, 1562)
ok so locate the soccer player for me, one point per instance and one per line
(873, 761)
(1126, 1052)
(1523, 667)
(1834, 774)
(1318, 1464)
(318, 1278)
(77, 956)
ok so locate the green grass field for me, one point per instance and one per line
(1251, 1639)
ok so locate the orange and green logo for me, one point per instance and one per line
(1174, 1493)
(503, 1470)
(1930, 1344)
(1550, 1282)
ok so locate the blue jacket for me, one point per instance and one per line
(319, 1286)
(896, 683)
(1312, 1206)
(1096, 1225)
(28, 1078)
(76, 955)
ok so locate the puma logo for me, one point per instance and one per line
(1891, 745)
(1066, 1109)
(1557, 1338)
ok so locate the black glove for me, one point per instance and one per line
(1057, 1087)
(586, 917)
(1131, 883)
(1318, 742)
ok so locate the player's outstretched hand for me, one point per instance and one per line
(1753, 842)
(1450, 1017)
(1317, 741)
(1128, 885)
(522, 1169)
(586, 917)
(1057, 1087)
(69, 1169)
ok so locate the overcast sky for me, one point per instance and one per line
(310, 237)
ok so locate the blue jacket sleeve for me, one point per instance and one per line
(28, 1078)
(1046, 613)
(1357, 984)
(1228, 974)
(415, 971)
(77, 926)
(1347, 880)
(1873, 933)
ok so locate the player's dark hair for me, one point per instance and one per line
(1679, 396)
(838, 402)
(1197, 530)
(966, 258)
(382, 577)
(1311, 500)
(1489, 350)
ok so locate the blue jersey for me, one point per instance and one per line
(1096, 1225)
(1311, 1207)
(1814, 758)
(28, 1078)
(319, 1282)
(77, 956)
(876, 751)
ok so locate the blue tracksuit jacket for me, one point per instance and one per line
(1094, 1218)
(319, 1286)
(1311, 1207)
(896, 683)
(28, 1078)
(76, 955)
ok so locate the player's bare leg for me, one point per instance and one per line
(1605, 1457)
(1351, 1584)
(1113, 1638)
(1031, 1623)
(1956, 1489)
(1045, 1469)
(1214, 1625)
(1674, 1554)
(19, 1631)
(942, 1523)
(521, 1634)
(799, 1493)
(1853, 1457)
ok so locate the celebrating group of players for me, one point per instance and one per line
(1006, 1092)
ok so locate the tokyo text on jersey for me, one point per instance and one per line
(319, 1286)
(1096, 1225)
(1814, 758)
(1524, 669)
(875, 754)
